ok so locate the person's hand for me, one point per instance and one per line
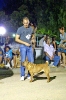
(51, 58)
(27, 44)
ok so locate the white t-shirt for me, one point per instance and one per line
(49, 49)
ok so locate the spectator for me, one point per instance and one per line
(33, 38)
(15, 47)
(8, 57)
(62, 42)
(44, 43)
(54, 43)
(50, 53)
(62, 35)
(45, 38)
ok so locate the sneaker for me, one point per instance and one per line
(53, 66)
(8, 66)
(22, 78)
(28, 78)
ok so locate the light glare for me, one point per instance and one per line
(2, 30)
(13, 35)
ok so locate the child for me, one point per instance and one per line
(8, 57)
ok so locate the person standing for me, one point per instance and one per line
(23, 37)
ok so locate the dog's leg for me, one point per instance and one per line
(48, 77)
(31, 79)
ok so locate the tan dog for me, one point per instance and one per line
(36, 68)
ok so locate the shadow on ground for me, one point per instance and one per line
(38, 77)
(5, 73)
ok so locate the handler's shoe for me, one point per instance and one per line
(22, 78)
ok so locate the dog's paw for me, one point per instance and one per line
(48, 81)
(31, 80)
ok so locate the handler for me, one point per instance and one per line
(23, 37)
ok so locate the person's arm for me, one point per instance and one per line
(53, 52)
(33, 40)
(17, 39)
(54, 44)
(63, 41)
(48, 55)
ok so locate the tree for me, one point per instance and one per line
(47, 14)
(17, 16)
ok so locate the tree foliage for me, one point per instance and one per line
(47, 14)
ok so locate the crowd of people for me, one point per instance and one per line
(53, 52)
(25, 36)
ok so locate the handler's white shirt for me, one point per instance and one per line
(49, 49)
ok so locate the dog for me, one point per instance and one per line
(36, 68)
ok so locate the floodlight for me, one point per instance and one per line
(2, 30)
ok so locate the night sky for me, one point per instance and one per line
(10, 5)
(2, 4)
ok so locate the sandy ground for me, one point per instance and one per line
(11, 88)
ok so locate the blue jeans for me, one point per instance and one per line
(56, 60)
(25, 51)
(61, 50)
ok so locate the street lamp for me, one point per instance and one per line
(2, 30)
